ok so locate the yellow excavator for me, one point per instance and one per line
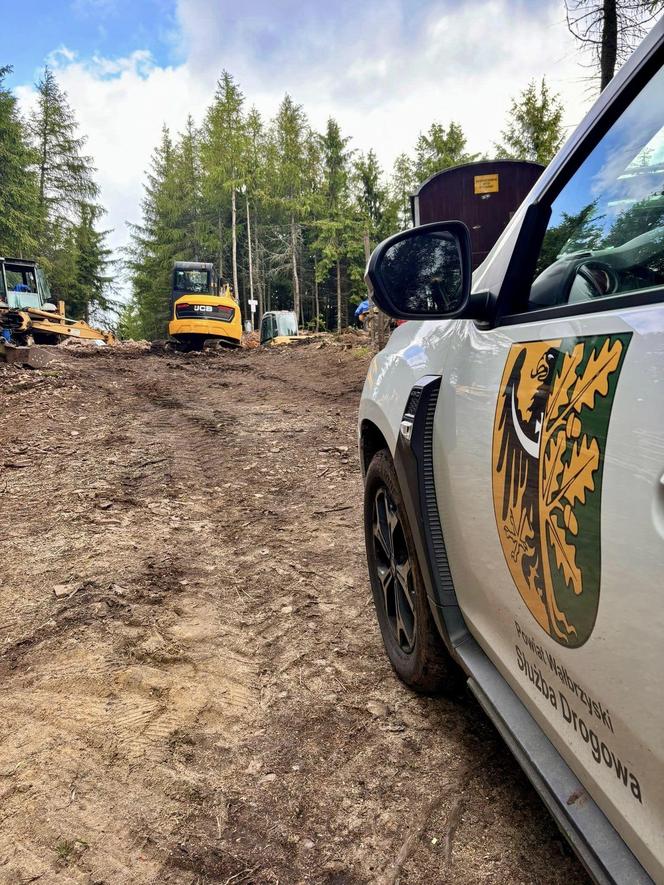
(27, 314)
(202, 307)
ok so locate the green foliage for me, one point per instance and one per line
(584, 231)
(403, 184)
(64, 173)
(152, 251)
(18, 184)
(534, 128)
(89, 284)
(377, 211)
(61, 208)
(223, 154)
(289, 150)
(291, 213)
(440, 149)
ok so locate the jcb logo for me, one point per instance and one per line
(203, 308)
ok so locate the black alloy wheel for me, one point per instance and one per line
(394, 569)
(411, 639)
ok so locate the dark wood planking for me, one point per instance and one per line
(451, 195)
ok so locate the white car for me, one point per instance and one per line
(512, 444)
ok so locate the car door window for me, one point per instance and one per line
(606, 231)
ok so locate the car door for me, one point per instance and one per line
(549, 465)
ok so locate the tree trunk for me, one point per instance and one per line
(234, 241)
(316, 300)
(338, 295)
(42, 178)
(221, 248)
(245, 301)
(609, 48)
(44, 157)
(378, 323)
(251, 270)
(367, 247)
(259, 275)
(296, 279)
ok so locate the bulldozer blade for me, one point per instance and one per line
(30, 357)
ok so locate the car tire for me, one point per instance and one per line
(410, 636)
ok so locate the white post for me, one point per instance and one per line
(252, 302)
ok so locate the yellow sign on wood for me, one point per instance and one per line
(486, 184)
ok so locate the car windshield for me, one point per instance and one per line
(191, 281)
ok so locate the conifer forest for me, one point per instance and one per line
(288, 214)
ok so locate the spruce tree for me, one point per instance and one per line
(90, 285)
(223, 146)
(440, 149)
(534, 128)
(402, 185)
(18, 185)
(64, 172)
(372, 200)
(289, 153)
(186, 220)
(150, 255)
(338, 233)
(66, 200)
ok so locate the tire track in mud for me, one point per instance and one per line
(147, 697)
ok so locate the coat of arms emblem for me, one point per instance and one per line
(549, 440)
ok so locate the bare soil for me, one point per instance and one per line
(193, 687)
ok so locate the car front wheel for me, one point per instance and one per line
(411, 639)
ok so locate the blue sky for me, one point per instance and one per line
(385, 69)
(116, 28)
(107, 28)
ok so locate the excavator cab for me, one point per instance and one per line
(202, 307)
(23, 284)
(279, 327)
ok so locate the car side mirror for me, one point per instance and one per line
(423, 273)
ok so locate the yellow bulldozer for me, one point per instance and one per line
(27, 314)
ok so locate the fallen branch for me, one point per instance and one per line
(453, 819)
(393, 871)
(391, 875)
(333, 510)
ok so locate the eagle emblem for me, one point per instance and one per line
(549, 439)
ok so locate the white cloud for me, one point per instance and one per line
(121, 105)
(385, 72)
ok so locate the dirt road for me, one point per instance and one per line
(193, 686)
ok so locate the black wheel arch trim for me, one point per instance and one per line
(598, 845)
